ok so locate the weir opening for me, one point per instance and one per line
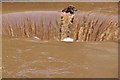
(46, 26)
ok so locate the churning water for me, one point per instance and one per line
(46, 26)
(31, 46)
(32, 58)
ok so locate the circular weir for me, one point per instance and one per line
(54, 25)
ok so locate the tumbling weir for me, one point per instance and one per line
(54, 25)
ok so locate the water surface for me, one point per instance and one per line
(34, 58)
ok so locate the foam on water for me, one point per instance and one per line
(68, 40)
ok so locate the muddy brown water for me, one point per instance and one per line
(100, 7)
(32, 58)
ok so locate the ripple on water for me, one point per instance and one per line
(38, 67)
(49, 71)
